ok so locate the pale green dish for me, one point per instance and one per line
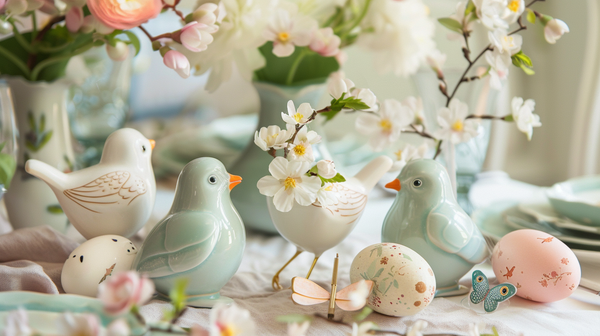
(578, 199)
(44, 309)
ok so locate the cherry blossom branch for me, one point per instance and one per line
(532, 2)
(155, 38)
(521, 26)
(490, 117)
(438, 149)
(463, 77)
(420, 132)
(299, 127)
(172, 7)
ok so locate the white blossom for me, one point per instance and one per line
(384, 127)
(514, 9)
(288, 30)
(299, 116)
(298, 329)
(326, 169)
(522, 113)
(491, 13)
(358, 297)
(273, 137)
(288, 183)
(511, 44)
(301, 148)
(454, 126)
(554, 29)
(231, 320)
(326, 196)
(409, 152)
(363, 329)
(499, 64)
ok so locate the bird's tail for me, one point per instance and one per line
(373, 171)
(45, 172)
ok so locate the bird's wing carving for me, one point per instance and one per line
(350, 203)
(109, 188)
(454, 232)
(178, 244)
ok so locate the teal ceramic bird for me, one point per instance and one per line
(426, 218)
(201, 239)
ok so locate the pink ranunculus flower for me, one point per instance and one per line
(196, 36)
(123, 291)
(177, 61)
(74, 19)
(325, 42)
(2, 3)
(119, 14)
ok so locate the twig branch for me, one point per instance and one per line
(521, 26)
(532, 2)
(155, 38)
(179, 13)
(438, 150)
(462, 78)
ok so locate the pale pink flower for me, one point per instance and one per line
(124, 291)
(74, 19)
(325, 42)
(341, 57)
(554, 29)
(118, 328)
(231, 320)
(91, 24)
(196, 36)
(119, 14)
(69, 324)
(210, 13)
(177, 61)
(2, 3)
(288, 31)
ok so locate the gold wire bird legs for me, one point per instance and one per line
(312, 266)
(275, 282)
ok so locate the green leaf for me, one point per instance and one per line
(523, 58)
(338, 178)
(135, 41)
(527, 70)
(31, 122)
(407, 257)
(378, 273)
(363, 314)
(313, 68)
(396, 283)
(43, 122)
(293, 318)
(530, 16)
(451, 24)
(55, 209)
(355, 104)
(509, 118)
(470, 8)
(177, 294)
(8, 165)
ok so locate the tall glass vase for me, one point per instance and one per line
(253, 163)
(43, 124)
(468, 157)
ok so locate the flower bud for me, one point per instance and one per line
(554, 29)
(119, 52)
(209, 13)
(177, 61)
(74, 19)
(195, 36)
(326, 169)
(5, 27)
(15, 7)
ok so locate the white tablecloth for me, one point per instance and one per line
(251, 286)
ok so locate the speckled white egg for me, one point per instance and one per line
(94, 262)
(404, 281)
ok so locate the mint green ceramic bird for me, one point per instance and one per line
(202, 238)
(426, 218)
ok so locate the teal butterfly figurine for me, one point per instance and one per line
(490, 297)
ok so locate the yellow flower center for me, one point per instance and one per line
(458, 126)
(509, 41)
(298, 117)
(299, 150)
(329, 188)
(289, 183)
(227, 331)
(274, 136)
(514, 5)
(399, 155)
(283, 37)
(385, 125)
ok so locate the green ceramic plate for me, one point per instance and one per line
(578, 199)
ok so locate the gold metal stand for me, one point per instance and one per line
(312, 266)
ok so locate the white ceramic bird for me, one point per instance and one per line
(116, 196)
(317, 228)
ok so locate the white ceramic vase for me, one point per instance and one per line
(43, 124)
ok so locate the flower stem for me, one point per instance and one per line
(34, 32)
(15, 60)
(295, 65)
(462, 78)
(358, 20)
(438, 149)
(49, 61)
(154, 38)
(20, 39)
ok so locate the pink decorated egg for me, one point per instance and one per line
(542, 267)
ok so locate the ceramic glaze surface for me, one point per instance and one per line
(115, 196)
(315, 228)
(426, 218)
(253, 163)
(202, 238)
(578, 199)
(94, 261)
(542, 267)
(41, 113)
(404, 282)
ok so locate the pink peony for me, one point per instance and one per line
(119, 14)
(123, 291)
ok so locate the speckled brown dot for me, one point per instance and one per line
(421, 287)
(430, 271)
(417, 303)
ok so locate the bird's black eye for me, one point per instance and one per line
(143, 148)
(417, 183)
(212, 179)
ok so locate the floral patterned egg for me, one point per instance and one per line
(542, 267)
(404, 281)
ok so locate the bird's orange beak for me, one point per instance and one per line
(152, 143)
(395, 184)
(234, 180)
